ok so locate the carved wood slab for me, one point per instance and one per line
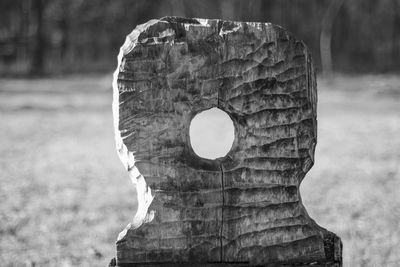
(244, 208)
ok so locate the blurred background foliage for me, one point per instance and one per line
(56, 37)
(64, 195)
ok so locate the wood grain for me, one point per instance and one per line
(244, 207)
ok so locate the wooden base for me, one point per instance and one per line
(113, 263)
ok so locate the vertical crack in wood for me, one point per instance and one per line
(222, 211)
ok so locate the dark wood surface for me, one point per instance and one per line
(246, 206)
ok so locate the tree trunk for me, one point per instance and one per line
(326, 36)
(37, 66)
(396, 34)
(23, 42)
(64, 28)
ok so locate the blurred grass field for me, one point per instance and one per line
(64, 195)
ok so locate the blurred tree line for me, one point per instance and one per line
(63, 36)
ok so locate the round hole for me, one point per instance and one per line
(211, 133)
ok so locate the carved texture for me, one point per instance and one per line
(245, 207)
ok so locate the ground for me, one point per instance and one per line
(64, 195)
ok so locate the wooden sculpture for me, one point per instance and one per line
(243, 209)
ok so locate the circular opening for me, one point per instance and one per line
(211, 133)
